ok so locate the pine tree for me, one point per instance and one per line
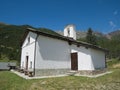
(91, 38)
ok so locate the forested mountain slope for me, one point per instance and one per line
(11, 35)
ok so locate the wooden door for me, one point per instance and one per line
(27, 62)
(74, 61)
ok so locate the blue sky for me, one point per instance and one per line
(100, 15)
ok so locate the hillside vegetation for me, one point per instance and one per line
(10, 40)
(111, 43)
(11, 35)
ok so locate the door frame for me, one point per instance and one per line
(26, 63)
(74, 61)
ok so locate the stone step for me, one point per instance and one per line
(71, 73)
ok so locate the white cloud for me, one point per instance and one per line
(112, 24)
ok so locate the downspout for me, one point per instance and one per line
(70, 53)
(35, 54)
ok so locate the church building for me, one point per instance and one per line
(46, 54)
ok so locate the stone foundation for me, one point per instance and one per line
(55, 72)
(50, 72)
(91, 72)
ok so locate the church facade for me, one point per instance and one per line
(46, 54)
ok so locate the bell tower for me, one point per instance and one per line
(69, 31)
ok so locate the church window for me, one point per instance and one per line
(68, 32)
(28, 40)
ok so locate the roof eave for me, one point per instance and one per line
(72, 41)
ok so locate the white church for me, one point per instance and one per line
(45, 54)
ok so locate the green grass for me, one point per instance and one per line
(10, 81)
(113, 62)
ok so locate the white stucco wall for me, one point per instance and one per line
(52, 54)
(32, 38)
(84, 57)
(88, 58)
(98, 59)
(28, 50)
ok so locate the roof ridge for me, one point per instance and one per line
(71, 40)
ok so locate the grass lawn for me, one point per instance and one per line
(10, 81)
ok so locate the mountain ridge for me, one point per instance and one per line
(11, 35)
(82, 34)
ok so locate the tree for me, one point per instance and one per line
(91, 38)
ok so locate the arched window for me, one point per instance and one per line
(68, 30)
(29, 39)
